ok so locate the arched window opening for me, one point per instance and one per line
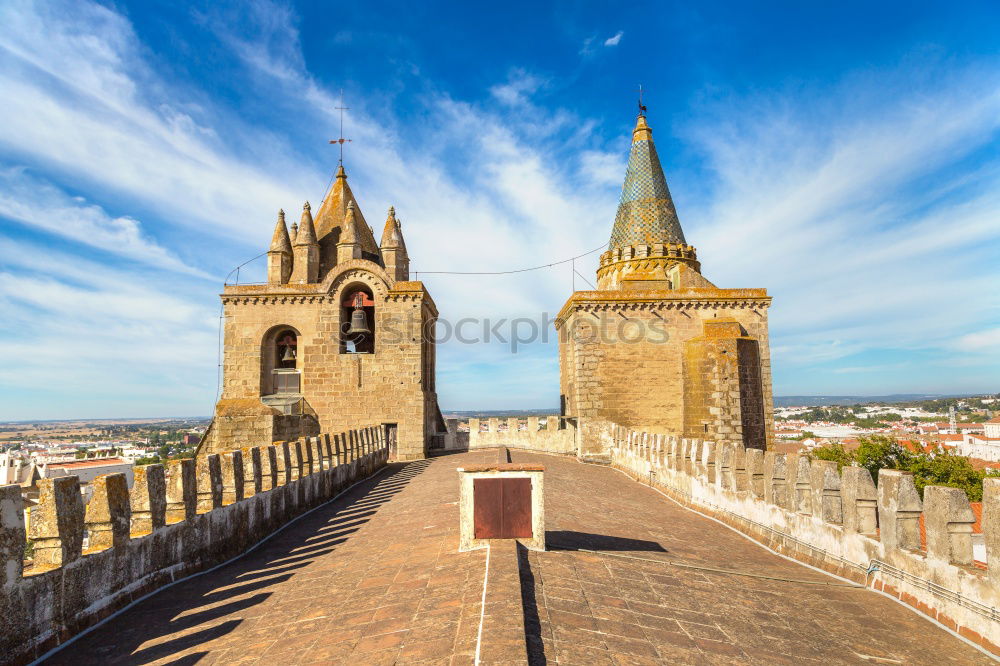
(281, 364)
(286, 350)
(357, 321)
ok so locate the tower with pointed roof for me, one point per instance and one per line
(334, 340)
(657, 346)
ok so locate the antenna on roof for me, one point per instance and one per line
(341, 140)
(642, 109)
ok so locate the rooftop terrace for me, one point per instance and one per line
(631, 577)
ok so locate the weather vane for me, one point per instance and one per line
(341, 140)
(642, 108)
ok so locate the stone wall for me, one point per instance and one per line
(624, 359)
(239, 421)
(839, 521)
(550, 434)
(395, 384)
(178, 519)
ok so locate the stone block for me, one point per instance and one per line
(339, 449)
(860, 500)
(775, 483)
(826, 500)
(13, 536)
(899, 509)
(948, 519)
(182, 490)
(754, 460)
(741, 479)
(148, 498)
(108, 516)
(708, 461)
(285, 463)
(991, 527)
(269, 468)
(56, 526)
(725, 466)
(308, 455)
(232, 477)
(252, 471)
(803, 487)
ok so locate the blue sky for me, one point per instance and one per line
(844, 157)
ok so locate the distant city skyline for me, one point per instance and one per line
(844, 158)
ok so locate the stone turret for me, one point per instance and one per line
(349, 247)
(393, 249)
(279, 255)
(657, 346)
(305, 267)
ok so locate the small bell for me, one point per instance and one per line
(359, 323)
(289, 354)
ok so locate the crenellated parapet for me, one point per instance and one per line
(85, 561)
(549, 434)
(883, 536)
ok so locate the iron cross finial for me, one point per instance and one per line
(341, 140)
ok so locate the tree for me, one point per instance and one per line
(835, 452)
(877, 452)
(947, 469)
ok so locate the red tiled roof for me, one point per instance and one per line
(79, 464)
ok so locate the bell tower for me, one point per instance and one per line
(657, 346)
(333, 341)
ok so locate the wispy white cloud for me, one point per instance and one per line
(868, 224)
(94, 340)
(35, 202)
(518, 89)
(980, 341)
(89, 106)
(615, 39)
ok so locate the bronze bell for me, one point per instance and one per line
(359, 323)
(289, 354)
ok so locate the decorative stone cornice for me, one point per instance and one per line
(655, 301)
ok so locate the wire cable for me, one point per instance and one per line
(518, 270)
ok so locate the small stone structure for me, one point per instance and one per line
(470, 500)
(178, 519)
(841, 522)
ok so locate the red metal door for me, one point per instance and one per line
(501, 508)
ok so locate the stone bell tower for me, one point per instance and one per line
(657, 347)
(334, 340)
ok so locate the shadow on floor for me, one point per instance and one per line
(532, 623)
(175, 612)
(570, 540)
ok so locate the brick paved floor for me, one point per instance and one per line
(605, 609)
(374, 578)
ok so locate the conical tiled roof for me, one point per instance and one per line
(333, 211)
(307, 232)
(280, 242)
(646, 214)
(392, 234)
